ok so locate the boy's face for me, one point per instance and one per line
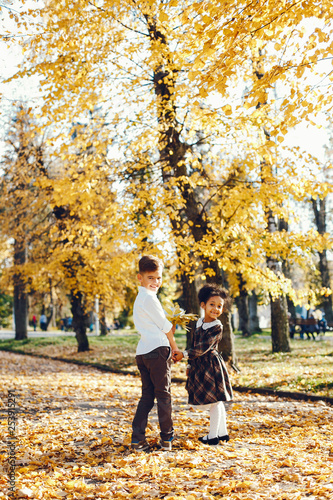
(152, 280)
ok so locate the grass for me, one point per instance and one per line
(307, 368)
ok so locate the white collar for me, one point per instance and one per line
(205, 326)
(143, 289)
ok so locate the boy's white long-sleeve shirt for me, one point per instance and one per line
(150, 321)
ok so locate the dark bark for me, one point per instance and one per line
(80, 319)
(243, 308)
(102, 322)
(20, 295)
(319, 209)
(279, 316)
(279, 309)
(253, 313)
(227, 343)
(49, 316)
(243, 313)
(280, 326)
(189, 302)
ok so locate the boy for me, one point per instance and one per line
(153, 355)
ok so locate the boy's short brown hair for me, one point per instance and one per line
(150, 263)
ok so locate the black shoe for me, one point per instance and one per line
(140, 446)
(211, 442)
(224, 438)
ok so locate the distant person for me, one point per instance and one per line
(153, 356)
(322, 324)
(34, 322)
(43, 323)
(208, 380)
(312, 329)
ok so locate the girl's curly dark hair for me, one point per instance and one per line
(212, 290)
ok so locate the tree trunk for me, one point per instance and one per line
(243, 314)
(279, 309)
(319, 209)
(280, 326)
(189, 301)
(102, 322)
(253, 313)
(227, 344)
(79, 321)
(243, 308)
(21, 306)
(279, 317)
(173, 150)
(49, 317)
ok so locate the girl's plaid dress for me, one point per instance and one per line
(208, 379)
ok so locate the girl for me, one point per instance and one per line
(208, 381)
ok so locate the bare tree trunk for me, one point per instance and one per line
(79, 321)
(243, 308)
(227, 343)
(279, 317)
(280, 326)
(319, 209)
(279, 309)
(253, 313)
(190, 303)
(20, 295)
(102, 321)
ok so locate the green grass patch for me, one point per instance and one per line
(307, 368)
(115, 351)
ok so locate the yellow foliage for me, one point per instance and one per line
(164, 155)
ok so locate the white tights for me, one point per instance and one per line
(217, 424)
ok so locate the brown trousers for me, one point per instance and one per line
(155, 371)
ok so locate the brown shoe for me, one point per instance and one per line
(165, 445)
(140, 446)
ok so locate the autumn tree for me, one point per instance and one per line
(87, 233)
(23, 211)
(155, 67)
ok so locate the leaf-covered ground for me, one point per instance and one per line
(74, 430)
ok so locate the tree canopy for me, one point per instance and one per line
(166, 124)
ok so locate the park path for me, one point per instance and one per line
(73, 432)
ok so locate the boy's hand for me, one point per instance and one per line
(177, 356)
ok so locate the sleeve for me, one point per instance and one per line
(211, 337)
(155, 311)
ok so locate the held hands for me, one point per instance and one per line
(177, 355)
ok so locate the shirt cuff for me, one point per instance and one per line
(167, 326)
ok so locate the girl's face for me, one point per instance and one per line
(213, 308)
